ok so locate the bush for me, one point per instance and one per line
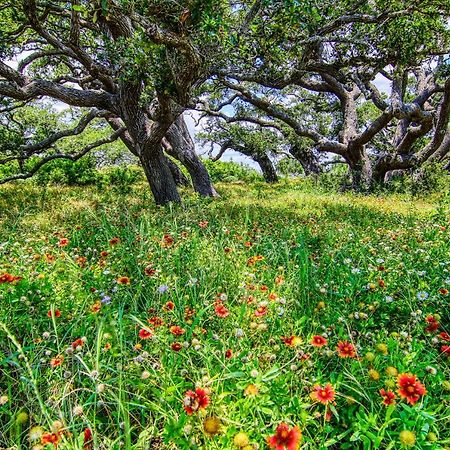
(73, 173)
(430, 178)
(230, 171)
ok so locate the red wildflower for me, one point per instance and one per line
(150, 271)
(292, 341)
(63, 242)
(176, 346)
(203, 223)
(114, 241)
(388, 397)
(261, 311)
(50, 438)
(410, 388)
(145, 333)
(194, 401)
(176, 330)
(77, 343)
(88, 442)
(346, 350)
(444, 336)
(169, 306)
(433, 324)
(156, 321)
(104, 254)
(123, 280)
(8, 278)
(443, 291)
(446, 350)
(221, 309)
(229, 354)
(285, 438)
(56, 312)
(323, 394)
(318, 341)
(56, 361)
(167, 241)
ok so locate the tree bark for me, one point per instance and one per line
(360, 168)
(182, 147)
(159, 176)
(267, 168)
(307, 159)
(179, 177)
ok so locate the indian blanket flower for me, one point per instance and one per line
(220, 309)
(88, 442)
(8, 278)
(433, 324)
(195, 400)
(51, 438)
(388, 397)
(123, 280)
(323, 394)
(56, 361)
(292, 341)
(410, 388)
(145, 333)
(446, 350)
(285, 438)
(346, 349)
(318, 341)
(261, 311)
(176, 330)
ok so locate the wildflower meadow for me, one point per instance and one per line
(273, 317)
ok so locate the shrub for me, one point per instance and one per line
(230, 171)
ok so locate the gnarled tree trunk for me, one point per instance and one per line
(182, 147)
(159, 176)
(307, 159)
(267, 168)
(360, 168)
(179, 177)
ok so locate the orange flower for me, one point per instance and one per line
(8, 278)
(221, 309)
(123, 280)
(114, 241)
(145, 333)
(56, 312)
(150, 271)
(388, 397)
(203, 223)
(318, 341)
(63, 242)
(56, 361)
(323, 394)
(261, 311)
(195, 401)
(285, 438)
(346, 350)
(77, 343)
(176, 330)
(229, 354)
(51, 438)
(292, 341)
(176, 346)
(410, 388)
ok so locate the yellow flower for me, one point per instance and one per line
(374, 375)
(251, 390)
(241, 440)
(370, 356)
(407, 438)
(211, 425)
(382, 348)
(391, 371)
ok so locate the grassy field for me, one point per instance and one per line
(270, 318)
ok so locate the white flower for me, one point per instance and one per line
(78, 410)
(422, 295)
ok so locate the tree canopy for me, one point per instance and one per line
(306, 72)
